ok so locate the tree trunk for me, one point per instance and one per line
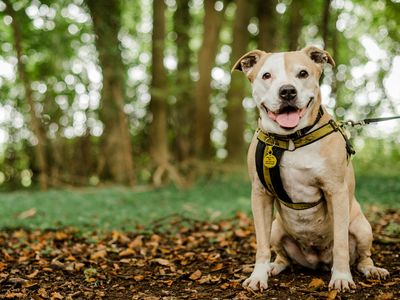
(184, 106)
(116, 138)
(159, 151)
(206, 60)
(295, 25)
(325, 22)
(235, 113)
(35, 120)
(267, 36)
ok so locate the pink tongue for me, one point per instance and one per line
(289, 119)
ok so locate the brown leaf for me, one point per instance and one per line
(60, 236)
(78, 266)
(162, 261)
(137, 242)
(195, 275)
(11, 295)
(56, 295)
(127, 252)
(332, 295)
(365, 284)
(390, 283)
(224, 286)
(33, 274)
(101, 254)
(204, 279)
(241, 233)
(138, 277)
(217, 267)
(385, 296)
(315, 284)
(42, 293)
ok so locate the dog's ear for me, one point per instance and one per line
(247, 62)
(318, 55)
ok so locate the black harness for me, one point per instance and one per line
(270, 149)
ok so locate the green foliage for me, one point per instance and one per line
(62, 65)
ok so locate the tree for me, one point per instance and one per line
(235, 113)
(184, 106)
(325, 22)
(206, 60)
(116, 138)
(159, 151)
(267, 20)
(295, 25)
(35, 119)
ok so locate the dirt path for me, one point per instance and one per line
(188, 260)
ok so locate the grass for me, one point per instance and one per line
(123, 208)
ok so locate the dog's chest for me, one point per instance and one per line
(300, 170)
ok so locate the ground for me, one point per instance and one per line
(177, 259)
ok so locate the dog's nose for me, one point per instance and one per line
(287, 92)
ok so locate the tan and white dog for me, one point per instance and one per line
(334, 233)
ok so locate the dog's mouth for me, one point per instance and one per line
(288, 116)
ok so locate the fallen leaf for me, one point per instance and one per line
(137, 242)
(27, 214)
(162, 261)
(11, 295)
(332, 295)
(138, 277)
(195, 275)
(365, 284)
(60, 236)
(56, 295)
(217, 267)
(315, 284)
(204, 279)
(33, 274)
(99, 255)
(127, 252)
(385, 296)
(42, 293)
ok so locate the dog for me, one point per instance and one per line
(320, 224)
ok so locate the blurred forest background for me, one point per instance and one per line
(135, 91)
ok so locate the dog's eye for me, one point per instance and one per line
(302, 74)
(266, 76)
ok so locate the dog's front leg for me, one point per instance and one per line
(262, 207)
(338, 206)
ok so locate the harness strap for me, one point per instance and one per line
(271, 177)
(269, 152)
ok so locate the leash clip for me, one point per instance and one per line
(353, 123)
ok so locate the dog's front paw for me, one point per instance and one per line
(341, 281)
(374, 272)
(258, 279)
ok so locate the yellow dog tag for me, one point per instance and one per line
(269, 158)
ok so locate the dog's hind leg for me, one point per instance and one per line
(361, 230)
(281, 261)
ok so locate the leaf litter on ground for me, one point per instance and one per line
(201, 260)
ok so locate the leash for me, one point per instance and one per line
(367, 121)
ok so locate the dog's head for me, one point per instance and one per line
(285, 86)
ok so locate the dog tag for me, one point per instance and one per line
(269, 158)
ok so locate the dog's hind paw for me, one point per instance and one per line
(258, 279)
(276, 268)
(375, 272)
